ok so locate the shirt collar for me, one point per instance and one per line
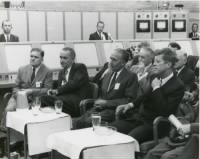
(179, 70)
(166, 79)
(37, 69)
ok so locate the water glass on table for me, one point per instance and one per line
(36, 105)
(58, 106)
(96, 120)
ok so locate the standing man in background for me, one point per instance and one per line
(194, 34)
(7, 36)
(99, 34)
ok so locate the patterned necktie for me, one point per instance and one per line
(33, 74)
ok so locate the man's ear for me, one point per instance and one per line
(169, 64)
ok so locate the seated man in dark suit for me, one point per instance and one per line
(72, 86)
(162, 99)
(34, 78)
(7, 36)
(99, 34)
(183, 72)
(194, 34)
(119, 86)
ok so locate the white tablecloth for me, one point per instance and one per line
(17, 120)
(38, 127)
(71, 143)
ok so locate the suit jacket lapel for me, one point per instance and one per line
(120, 76)
(71, 71)
(37, 76)
(3, 38)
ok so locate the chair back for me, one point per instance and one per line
(94, 89)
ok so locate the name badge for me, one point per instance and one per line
(63, 83)
(38, 84)
(117, 85)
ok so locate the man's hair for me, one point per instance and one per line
(195, 24)
(4, 22)
(168, 55)
(124, 54)
(175, 45)
(100, 22)
(38, 50)
(71, 50)
(150, 51)
(143, 44)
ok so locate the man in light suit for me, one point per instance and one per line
(34, 78)
(72, 85)
(99, 34)
(163, 98)
(119, 86)
(7, 36)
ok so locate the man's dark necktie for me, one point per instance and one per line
(112, 80)
(33, 74)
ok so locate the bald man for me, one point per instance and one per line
(183, 72)
(7, 36)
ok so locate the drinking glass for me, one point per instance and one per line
(58, 106)
(96, 120)
(36, 105)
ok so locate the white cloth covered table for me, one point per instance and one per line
(38, 127)
(72, 143)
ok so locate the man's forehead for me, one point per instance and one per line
(36, 53)
(65, 53)
(115, 55)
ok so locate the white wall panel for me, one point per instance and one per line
(55, 26)
(125, 25)
(3, 16)
(73, 25)
(19, 22)
(36, 26)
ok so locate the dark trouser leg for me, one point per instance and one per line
(124, 126)
(158, 150)
(48, 100)
(142, 133)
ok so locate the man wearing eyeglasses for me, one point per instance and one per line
(34, 78)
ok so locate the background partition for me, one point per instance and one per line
(36, 24)
(55, 26)
(51, 57)
(125, 25)
(58, 26)
(72, 25)
(19, 22)
(3, 15)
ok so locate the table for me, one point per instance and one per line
(36, 129)
(94, 146)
